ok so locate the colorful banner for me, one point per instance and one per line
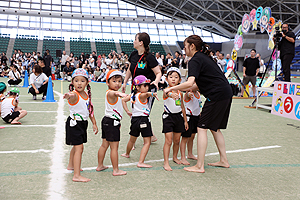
(286, 100)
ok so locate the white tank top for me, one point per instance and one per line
(79, 110)
(113, 110)
(192, 106)
(7, 106)
(140, 108)
(170, 105)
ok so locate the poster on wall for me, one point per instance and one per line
(286, 100)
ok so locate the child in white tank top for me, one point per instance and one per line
(76, 125)
(110, 123)
(10, 111)
(174, 118)
(140, 121)
(192, 100)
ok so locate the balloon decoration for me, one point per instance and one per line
(260, 16)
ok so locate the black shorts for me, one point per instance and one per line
(215, 114)
(76, 135)
(193, 122)
(110, 129)
(173, 122)
(140, 125)
(10, 117)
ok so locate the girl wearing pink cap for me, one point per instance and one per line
(140, 121)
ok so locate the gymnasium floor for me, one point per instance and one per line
(263, 150)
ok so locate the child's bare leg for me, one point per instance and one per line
(71, 159)
(144, 151)
(114, 159)
(176, 141)
(201, 149)
(220, 142)
(77, 163)
(130, 144)
(166, 150)
(190, 147)
(182, 150)
(101, 155)
(23, 113)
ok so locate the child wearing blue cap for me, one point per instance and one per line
(76, 125)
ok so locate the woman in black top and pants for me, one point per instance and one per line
(205, 74)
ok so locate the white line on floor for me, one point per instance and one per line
(26, 151)
(16, 126)
(57, 178)
(209, 154)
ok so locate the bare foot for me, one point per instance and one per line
(13, 122)
(80, 179)
(194, 169)
(101, 168)
(143, 165)
(192, 157)
(71, 168)
(125, 155)
(220, 164)
(133, 148)
(153, 138)
(119, 172)
(167, 168)
(184, 162)
(1, 127)
(178, 162)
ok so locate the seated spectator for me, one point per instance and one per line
(102, 77)
(38, 82)
(76, 61)
(5, 71)
(67, 73)
(57, 72)
(97, 73)
(23, 71)
(91, 75)
(14, 76)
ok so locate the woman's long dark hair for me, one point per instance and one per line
(146, 41)
(199, 44)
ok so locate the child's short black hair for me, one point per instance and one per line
(116, 76)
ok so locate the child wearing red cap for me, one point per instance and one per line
(140, 121)
(110, 124)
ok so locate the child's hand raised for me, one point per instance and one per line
(68, 95)
(120, 94)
